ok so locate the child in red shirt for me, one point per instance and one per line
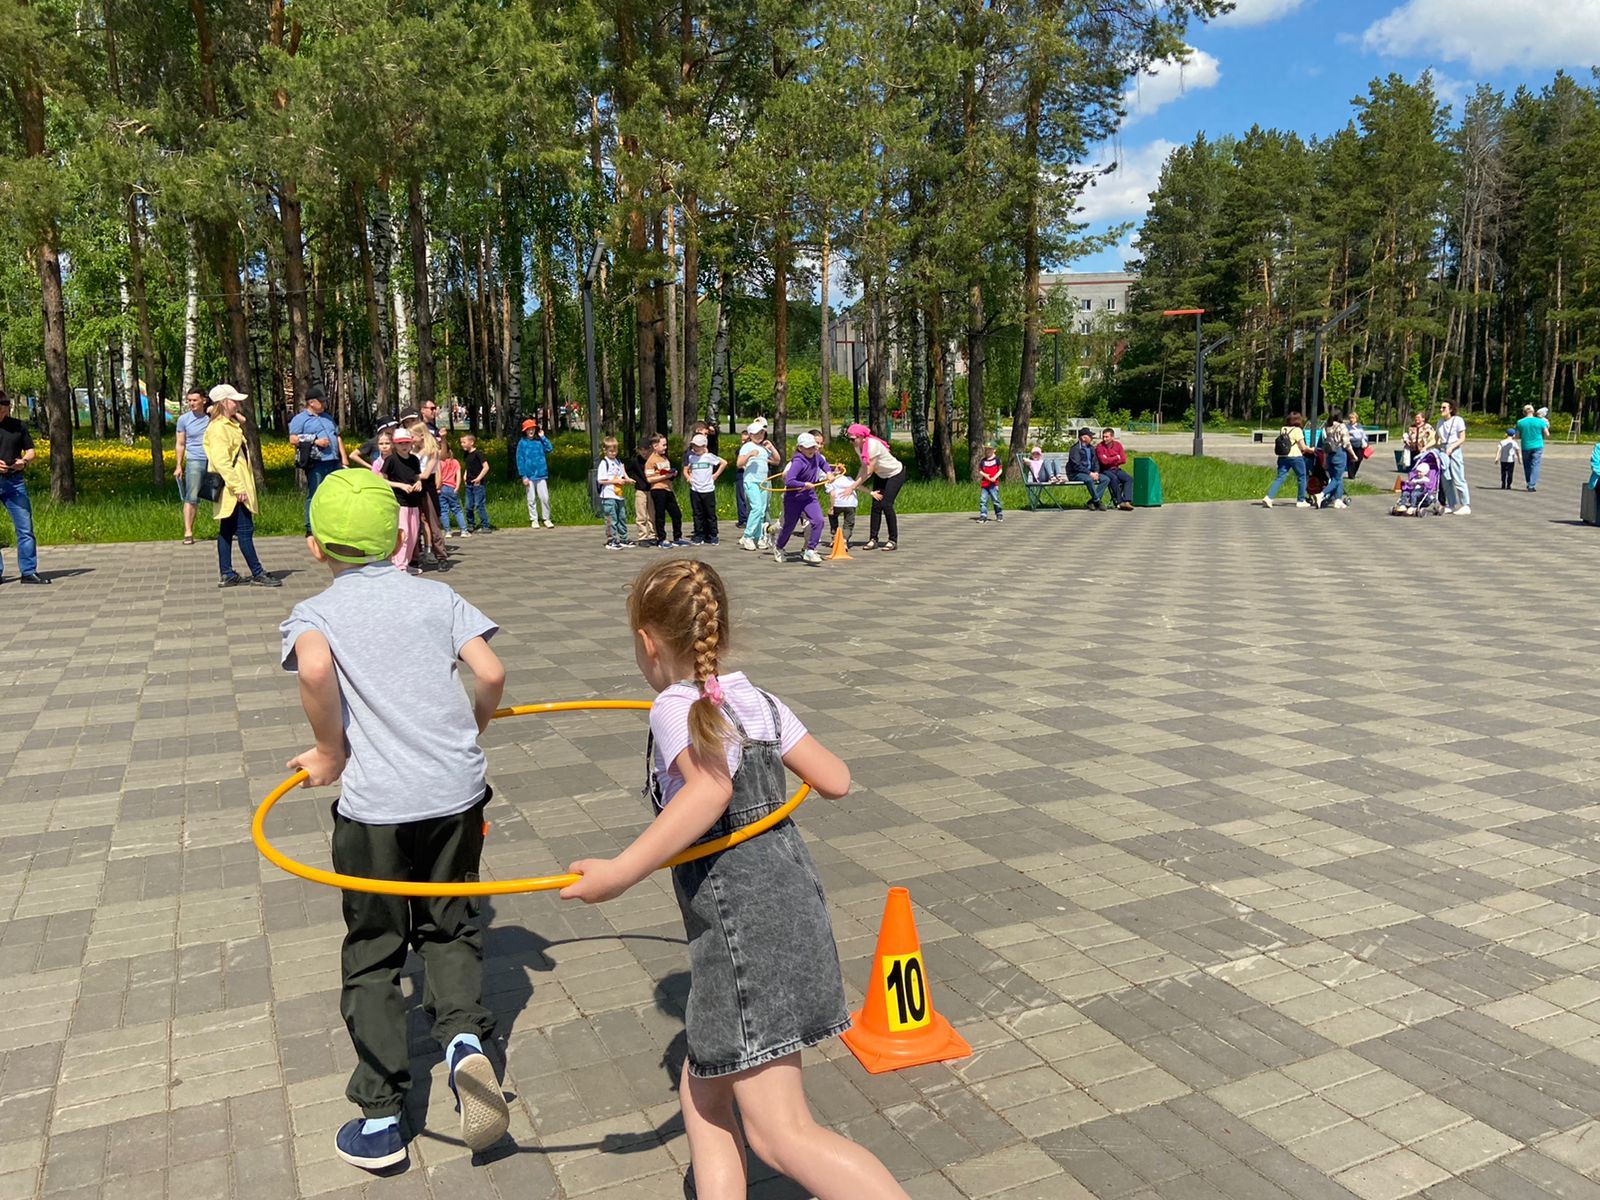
(989, 471)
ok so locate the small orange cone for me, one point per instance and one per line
(897, 1027)
(839, 550)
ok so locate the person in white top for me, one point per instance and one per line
(1452, 432)
(1508, 452)
(887, 474)
(612, 477)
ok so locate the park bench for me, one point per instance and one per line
(1045, 495)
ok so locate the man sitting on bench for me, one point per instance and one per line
(1083, 467)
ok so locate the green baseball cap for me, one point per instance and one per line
(355, 516)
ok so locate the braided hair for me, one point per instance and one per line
(684, 604)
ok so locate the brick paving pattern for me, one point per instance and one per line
(1251, 851)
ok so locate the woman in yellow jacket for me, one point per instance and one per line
(236, 506)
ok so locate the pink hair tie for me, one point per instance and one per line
(712, 689)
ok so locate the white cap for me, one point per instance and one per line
(1543, 412)
(759, 422)
(226, 391)
(698, 439)
(756, 426)
(806, 442)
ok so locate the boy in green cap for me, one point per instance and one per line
(399, 734)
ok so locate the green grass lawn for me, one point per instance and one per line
(118, 502)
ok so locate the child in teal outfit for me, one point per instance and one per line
(756, 459)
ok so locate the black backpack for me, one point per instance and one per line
(1283, 444)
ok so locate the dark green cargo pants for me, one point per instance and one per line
(380, 929)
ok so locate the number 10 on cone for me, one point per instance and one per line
(897, 1026)
(906, 986)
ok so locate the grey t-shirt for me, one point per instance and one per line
(412, 738)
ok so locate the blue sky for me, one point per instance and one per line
(1296, 64)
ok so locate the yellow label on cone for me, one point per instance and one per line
(905, 987)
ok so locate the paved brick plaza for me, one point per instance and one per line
(1250, 850)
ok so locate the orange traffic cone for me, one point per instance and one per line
(839, 550)
(897, 1027)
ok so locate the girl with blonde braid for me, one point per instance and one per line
(764, 976)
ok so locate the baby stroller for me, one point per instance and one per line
(1419, 495)
(1316, 474)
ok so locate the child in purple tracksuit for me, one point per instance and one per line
(806, 470)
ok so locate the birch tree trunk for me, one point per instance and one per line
(130, 393)
(674, 349)
(191, 323)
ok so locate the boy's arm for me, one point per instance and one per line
(319, 696)
(489, 675)
(483, 474)
(722, 465)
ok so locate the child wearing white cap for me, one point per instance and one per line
(702, 469)
(756, 458)
(806, 472)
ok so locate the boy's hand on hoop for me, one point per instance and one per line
(603, 879)
(322, 766)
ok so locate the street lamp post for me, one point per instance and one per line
(1199, 374)
(1316, 374)
(588, 350)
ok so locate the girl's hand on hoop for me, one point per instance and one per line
(602, 880)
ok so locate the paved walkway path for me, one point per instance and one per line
(1253, 851)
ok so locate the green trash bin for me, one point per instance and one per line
(1146, 483)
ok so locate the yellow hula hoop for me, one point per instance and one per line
(538, 883)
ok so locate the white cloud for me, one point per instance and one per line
(1257, 12)
(1490, 35)
(1125, 193)
(1168, 79)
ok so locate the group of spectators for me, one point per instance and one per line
(1320, 470)
(411, 453)
(1097, 465)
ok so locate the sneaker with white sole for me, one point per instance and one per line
(1464, 511)
(369, 1151)
(1339, 503)
(746, 544)
(1266, 502)
(479, 1100)
(811, 556)
(779, 556)
(1302, 504)
(549, 524)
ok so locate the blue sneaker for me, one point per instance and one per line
(479, 1100)
(369, 1151)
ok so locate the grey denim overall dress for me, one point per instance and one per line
(764, 976)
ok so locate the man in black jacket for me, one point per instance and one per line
(1084, 468)
(16, 453)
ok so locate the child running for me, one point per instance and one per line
(411, 799)
(989, 485)
(756, 458)
(612, 477)
(764, 977)
(806, 471)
